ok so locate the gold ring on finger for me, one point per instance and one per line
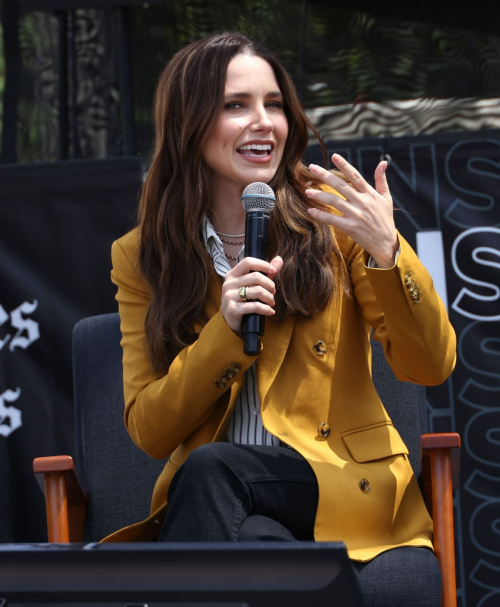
(243, 293)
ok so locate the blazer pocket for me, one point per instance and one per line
(374, 442)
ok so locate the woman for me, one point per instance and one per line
(294, 443)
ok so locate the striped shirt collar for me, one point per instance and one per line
(216, 249)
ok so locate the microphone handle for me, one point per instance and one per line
(256, 245)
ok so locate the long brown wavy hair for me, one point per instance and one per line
(176, 196)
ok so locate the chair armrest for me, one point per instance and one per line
(440, 471)
(444, 441)
(65, 501)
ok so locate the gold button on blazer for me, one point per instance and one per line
(368, 495)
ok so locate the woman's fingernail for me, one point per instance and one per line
(311, 211)
(313, 167)
(310, 193)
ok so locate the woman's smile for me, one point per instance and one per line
(257, 151)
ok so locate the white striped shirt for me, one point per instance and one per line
(245, 426)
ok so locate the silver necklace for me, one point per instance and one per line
(229, 235)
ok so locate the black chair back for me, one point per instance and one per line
(117, 476)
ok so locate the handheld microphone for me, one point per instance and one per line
(258, 201)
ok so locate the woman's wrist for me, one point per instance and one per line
(386, 259)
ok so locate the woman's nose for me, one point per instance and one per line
(261, 120)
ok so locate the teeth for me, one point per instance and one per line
(256, 146)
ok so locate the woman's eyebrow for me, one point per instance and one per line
(246, 95)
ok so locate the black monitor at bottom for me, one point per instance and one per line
(257, 574)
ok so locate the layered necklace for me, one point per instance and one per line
(224, 237)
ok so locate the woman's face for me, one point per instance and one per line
(250, 135)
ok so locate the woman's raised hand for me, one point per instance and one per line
(260, 290)
(367, 213)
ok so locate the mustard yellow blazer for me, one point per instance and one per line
(300, 391)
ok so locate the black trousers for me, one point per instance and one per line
(229, 492)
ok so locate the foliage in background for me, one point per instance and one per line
(353, 57)
(348, 56)
(92, 93)
(38, 107)
(335, 56)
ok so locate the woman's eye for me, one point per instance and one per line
(233, 105)
(276, 104)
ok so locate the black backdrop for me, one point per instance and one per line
(57, 223)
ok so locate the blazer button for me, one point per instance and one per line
(320, 347)
(364, 485)
(236, 367)
(219, 383)
(324, 429)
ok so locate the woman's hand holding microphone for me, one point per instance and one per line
(249, 287)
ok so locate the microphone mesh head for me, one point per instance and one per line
(258, 196)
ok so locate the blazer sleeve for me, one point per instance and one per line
(161, 411)
(415, 332)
